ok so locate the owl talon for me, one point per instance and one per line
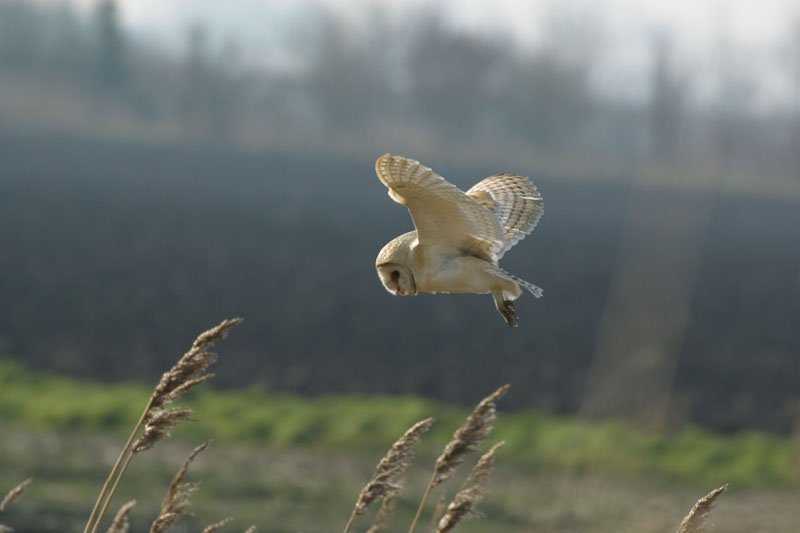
(508, 313)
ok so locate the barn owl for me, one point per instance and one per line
(459, 237)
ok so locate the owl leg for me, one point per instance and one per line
(505, 307)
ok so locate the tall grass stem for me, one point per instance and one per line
(103, 499)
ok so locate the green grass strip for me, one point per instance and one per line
(253, 415)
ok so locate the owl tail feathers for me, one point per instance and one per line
(533, 289)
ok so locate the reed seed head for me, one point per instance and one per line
(159, 424)
(121, 524)
(386, 510)
(393, 463)
(468, 437)
(14, 493)
(189, 370)
(215, 526)
(176, 500)
(472, 491)
(695, 521)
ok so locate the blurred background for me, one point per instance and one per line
(164, 165)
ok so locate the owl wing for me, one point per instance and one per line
(442, 213)
(515, 202)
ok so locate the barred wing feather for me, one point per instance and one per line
(441, 212)
(514, 200)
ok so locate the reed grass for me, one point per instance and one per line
(176, 500)
(121, 524)
(157, 420)
(14, 494)
(471, 492)
(438, 510)
(385, 511)
(217, 525)
(392, 465)
(466, 439)
(696, 520)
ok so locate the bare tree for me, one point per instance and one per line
(110, 59)
(667, 100)
(451, 78)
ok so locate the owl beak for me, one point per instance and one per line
(400, 292)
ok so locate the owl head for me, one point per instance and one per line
(393, 265)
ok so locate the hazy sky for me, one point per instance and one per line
(755, 30)
(749, 21)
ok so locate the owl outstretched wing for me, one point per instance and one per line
(442, 213)
(515, 202)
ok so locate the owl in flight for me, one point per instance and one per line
(460, 236)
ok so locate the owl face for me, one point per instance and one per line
(397, 279)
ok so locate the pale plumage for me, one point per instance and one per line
(459, 237)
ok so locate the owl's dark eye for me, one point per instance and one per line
(395, 274)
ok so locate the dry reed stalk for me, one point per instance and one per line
(473, 490)
(176, 500)
(386, 510)
(14, 493)
(696, 519)
(215, 526)
(188, 372)
(121, 524)
(465, 440)
(393, 464)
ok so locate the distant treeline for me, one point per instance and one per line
(114, 254)
(413, 78)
